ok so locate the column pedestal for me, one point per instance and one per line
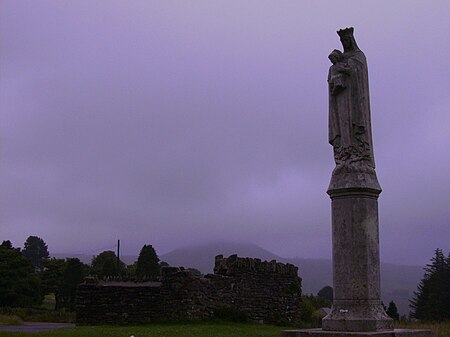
(356, 259)
(357, 310)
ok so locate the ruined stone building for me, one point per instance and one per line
(267, 292)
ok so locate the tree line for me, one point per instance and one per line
(28, 274)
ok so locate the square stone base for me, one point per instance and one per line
(385, 333)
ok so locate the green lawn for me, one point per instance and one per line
(162, 330)
(205, 329)
(440, 329)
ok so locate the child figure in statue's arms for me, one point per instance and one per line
(338, 72)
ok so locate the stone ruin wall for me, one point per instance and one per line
(268, 292)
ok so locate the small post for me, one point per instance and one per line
(118, 256)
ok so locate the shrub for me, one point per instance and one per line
(10, 320)
(39, 315)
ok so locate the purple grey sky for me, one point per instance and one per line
(182, 122)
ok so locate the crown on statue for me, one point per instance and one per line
(345, 32)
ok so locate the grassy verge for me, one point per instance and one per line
(39, 315)
(163, 330)
(10, 320)
(440, 329)
(204, 329)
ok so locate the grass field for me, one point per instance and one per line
(162, 330)
(35, 315)
(10, 320)
(440, 329)
(208, 329)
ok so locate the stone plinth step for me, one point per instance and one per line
(385, 333)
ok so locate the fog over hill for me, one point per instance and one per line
(202, 256)
(398, 282)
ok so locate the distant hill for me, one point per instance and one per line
(398, 282)
(316, 273)
(202, 257)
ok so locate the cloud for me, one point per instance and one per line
(176, 123)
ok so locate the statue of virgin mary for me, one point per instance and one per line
(350, 131)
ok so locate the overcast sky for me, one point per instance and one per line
(175, 123)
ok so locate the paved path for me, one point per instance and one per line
(35, 327)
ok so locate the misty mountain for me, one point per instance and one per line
(316, 273)
(398, 282)
(202, 257)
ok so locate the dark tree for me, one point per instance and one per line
(392, 311)
(147, 263)
(6, 244)
(130, 270)
(19, 284)
(52, 279)
(431, 300)
(61, 278)
(326, 293)
(73, 275)
(105, 265)
(36, 250)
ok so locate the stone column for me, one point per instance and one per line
(356, 262)
(357, 310)
(354, 191)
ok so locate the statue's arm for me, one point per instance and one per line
(344, 68)
(330, 82)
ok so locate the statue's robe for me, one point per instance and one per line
(349, 114)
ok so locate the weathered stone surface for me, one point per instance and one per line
(389, 333)
(354, 191)
(361, 181)
(356, 264)
(267, 292)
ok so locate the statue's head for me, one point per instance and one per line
(335, 56)
(347, 39)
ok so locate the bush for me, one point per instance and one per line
(307, 309)
(39, 315)
(10, 320)
(308, 314)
